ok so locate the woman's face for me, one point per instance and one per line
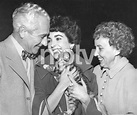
(105, 53)
(58, 41)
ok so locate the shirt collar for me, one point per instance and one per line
(117, 67)
(17, 45)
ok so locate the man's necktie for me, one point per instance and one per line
(26, 55)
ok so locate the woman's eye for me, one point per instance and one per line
(58, 39)
(100, 49)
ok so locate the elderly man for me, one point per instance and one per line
(31, 26)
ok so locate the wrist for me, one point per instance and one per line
(62, 86)
(86, 99)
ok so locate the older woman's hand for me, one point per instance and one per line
(64, 77)
(79, 91)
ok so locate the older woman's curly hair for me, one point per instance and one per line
(120, 36)
(67, 26)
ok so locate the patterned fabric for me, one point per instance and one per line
(26, 54)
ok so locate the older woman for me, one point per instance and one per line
(52, 81)
(116, 77)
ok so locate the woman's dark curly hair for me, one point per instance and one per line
(67, 26)
(120, 36)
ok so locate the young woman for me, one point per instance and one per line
(52, 81)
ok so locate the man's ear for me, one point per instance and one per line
(71, 46)
(22, 31)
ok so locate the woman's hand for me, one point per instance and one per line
(79, 91)
(64, 77)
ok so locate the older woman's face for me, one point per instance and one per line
(105, 53)
(58, 41)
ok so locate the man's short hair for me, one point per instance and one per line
(26, 16)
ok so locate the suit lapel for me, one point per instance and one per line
(15, 61)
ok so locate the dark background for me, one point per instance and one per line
(88, 13)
